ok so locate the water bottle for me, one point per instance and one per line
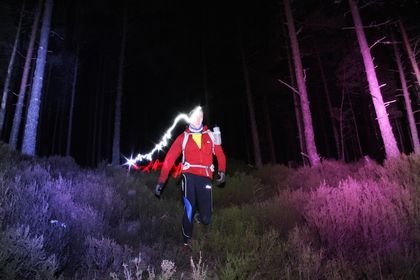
(217, 136)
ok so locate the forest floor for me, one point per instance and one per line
(334, 221)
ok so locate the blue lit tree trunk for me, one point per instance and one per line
(9, 73)
(117, 117)
(31, 126)
(391, 148)
(304, 101)
(17, 119)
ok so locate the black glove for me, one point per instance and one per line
(158, 189)
(221, 179)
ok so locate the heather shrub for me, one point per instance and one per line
(103, 256)
(239, 188)
(280, 213)
(234, 166)
(404, 170)
(22, 255)
(359, 218)
(273, 176)
(309, 178)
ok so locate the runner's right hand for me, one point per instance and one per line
(158, 190)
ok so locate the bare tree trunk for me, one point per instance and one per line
(9, 71)
(17, 119)
(252, 119)
(207, 110)
(101, 118)
(55, 129)
(391, 148)
(298, 111)
(408, 108)
(73, 94)
(410, 52)
(117, 118)
(269, 131)
(356, 127)
(30, 133)
(306, 111)
(329, 104)
(400, 134)
(45, 106)
(93, 151)
(342, 146)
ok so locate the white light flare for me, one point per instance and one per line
(163, 142)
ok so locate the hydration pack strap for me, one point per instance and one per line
(187, 165)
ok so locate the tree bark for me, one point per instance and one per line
(306, 111)
(298, 111)
(117, 117)
(207, 109)
(356, 127)
(252, 119)
(269, 131)
(73, 94)
(408, 108)
(391, 148)
(329, 104)
(410, 52)
(9, 71)
(17, 119)
(30, 133)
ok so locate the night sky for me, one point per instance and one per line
(173, 47)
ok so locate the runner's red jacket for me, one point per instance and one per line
(194, 155)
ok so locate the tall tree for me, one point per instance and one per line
(411, 54)
(329, 103)
(17, 119)
(408, 108)
(73, 94)
(9, 71)
(30, 133)
(391, 148)
(117, 117)
(304, 101)
(252, 119)
(271, 147)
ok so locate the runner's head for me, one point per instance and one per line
(196, 117)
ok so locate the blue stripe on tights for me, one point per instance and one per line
(188, 208)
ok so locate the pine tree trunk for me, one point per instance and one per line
(329, 104)
(252, 119)
(55, 130)
(9, 72)
(408, 108)
(391, 148)
(93, 149)
(298, 111)
(101, 118)
(30, 133)
(117, 118)
(356, 127)
(306, 111)
(17, 119)
(207, 110)
(73, 94)
(341, 122)
(410, 52)
(400, 134)
(269, 131)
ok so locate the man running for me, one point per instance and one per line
(197, 145)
